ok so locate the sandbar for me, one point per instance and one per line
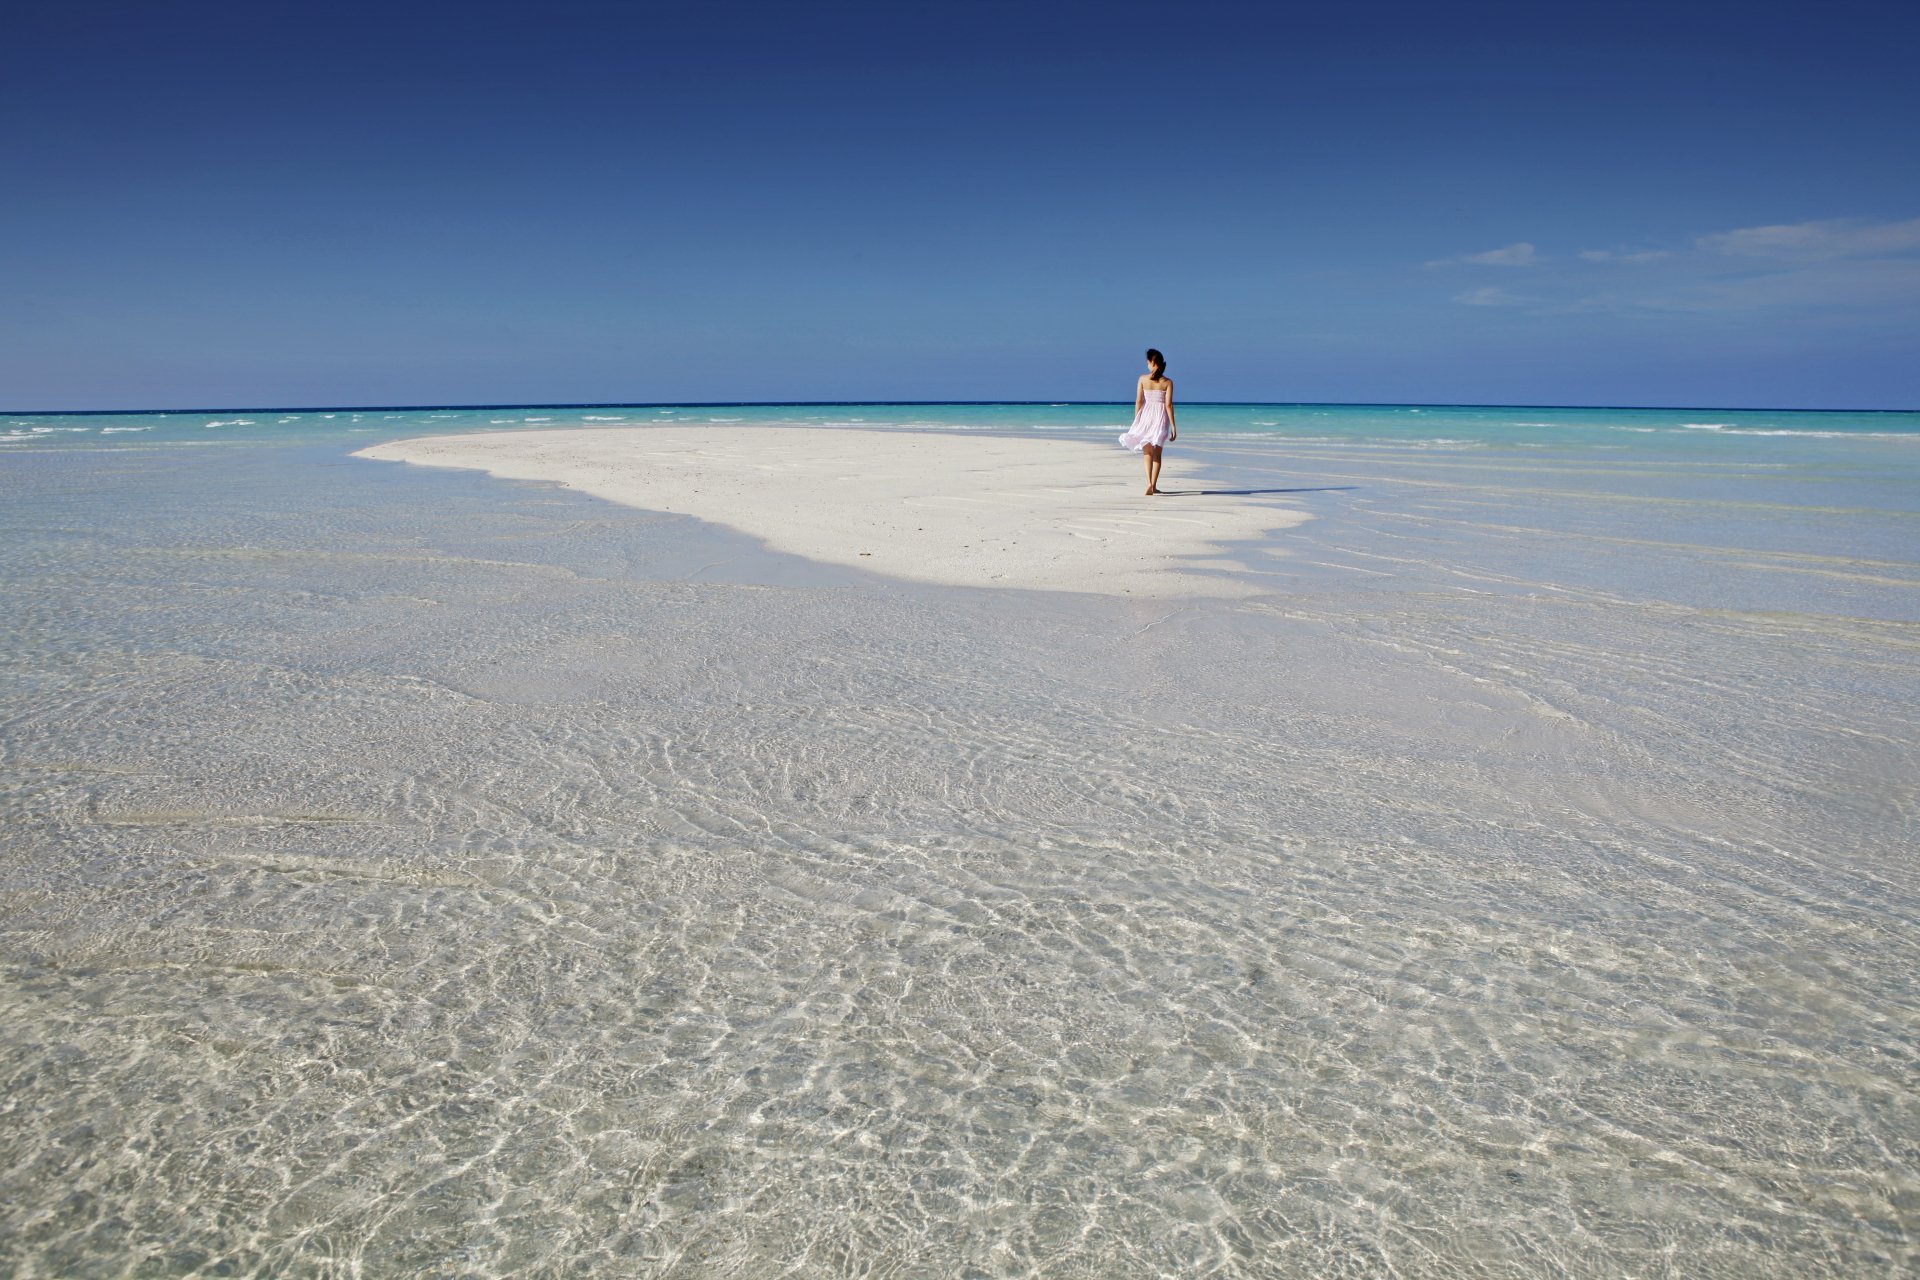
(934, 507)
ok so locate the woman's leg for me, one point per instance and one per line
(1153, 468)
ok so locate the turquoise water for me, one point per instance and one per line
(1843, 484)
(1765, 434)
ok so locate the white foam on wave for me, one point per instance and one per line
(1730, 430)
(1398, 442)
(110, 430)
(232, 422)
(1370, 444)
(591, 418)
(1757, 431)
(537, 419)
(1824, 435)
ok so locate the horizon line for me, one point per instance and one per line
(798, 404)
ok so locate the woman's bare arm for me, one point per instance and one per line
(1139, 395)
(1173, 432)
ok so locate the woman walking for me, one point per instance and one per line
(1153, 427)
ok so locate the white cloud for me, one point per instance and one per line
(1859, 286)
(1817, 241)
(1514, 255)
(1489, 297)
(1832, 268)
(1609, 255)
(1521, 254)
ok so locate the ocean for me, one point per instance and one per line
(1688, 432)
(411, 872)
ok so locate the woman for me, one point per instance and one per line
(1153, 426)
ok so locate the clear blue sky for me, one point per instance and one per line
(264, 203)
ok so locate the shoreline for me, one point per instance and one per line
(929, 507)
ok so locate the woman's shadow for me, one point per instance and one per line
(1248, 493)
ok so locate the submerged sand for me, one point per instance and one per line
(973, 511)
(402, 866)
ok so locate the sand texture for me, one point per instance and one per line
(411, 872)
(1062, 515)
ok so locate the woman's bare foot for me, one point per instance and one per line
(1151, 491)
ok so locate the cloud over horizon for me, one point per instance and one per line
(1865, 266)
(1636, 256)
(1814, 241)
(1489, 296)
(1519, 254)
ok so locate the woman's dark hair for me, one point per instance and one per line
(1158, 361)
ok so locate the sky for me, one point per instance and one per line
(265, 204)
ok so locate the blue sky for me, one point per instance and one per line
(267, 204)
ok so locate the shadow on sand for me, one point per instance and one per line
(1247, 493)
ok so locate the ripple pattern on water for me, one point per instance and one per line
(408, 873)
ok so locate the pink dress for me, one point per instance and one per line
(1151, 425)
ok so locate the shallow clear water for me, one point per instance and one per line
(1703, 434)
(409, 872)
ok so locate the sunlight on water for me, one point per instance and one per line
(411, 873)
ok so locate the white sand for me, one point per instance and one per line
(1064, 515)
